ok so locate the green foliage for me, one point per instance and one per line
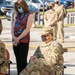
(71, 10)
(39, 26)
(2, 17)
(65, 25)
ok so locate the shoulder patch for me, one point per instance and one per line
(57, 50)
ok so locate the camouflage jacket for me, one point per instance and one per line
(50, 18)
(51, 52)
(60, 10)
(49, 57)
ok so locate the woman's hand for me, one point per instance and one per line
(15, 43)
(16, 40)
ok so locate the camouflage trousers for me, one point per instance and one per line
(60, 31)
(54, 32)
(37, 67)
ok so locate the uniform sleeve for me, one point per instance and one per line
(55, 20)
(3, 55)
(65, 12)
(61, 15)
(57, 54)
(45, 18)
(1, 61)
(38, 53)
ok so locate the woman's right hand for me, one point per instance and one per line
(15, 43)
(16, 39)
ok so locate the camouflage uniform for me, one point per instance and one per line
(3, 59)
(46, 59)
(0, 26)
(60, 24)
(50, 19)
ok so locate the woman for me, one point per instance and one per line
(21, 33)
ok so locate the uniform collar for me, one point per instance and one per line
(44, 44)
(57, 5)
(51, 11)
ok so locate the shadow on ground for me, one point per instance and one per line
(70, 65)
(13, 72)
